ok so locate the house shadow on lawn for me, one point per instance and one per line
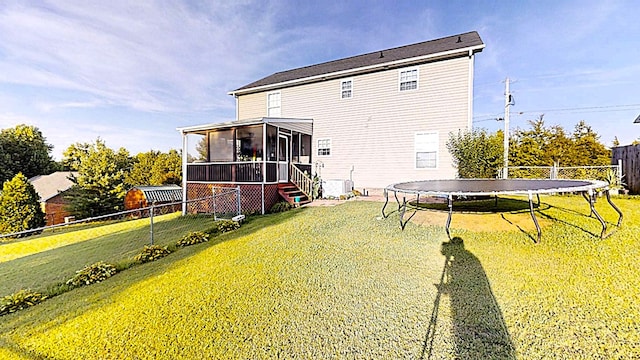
(478, 330)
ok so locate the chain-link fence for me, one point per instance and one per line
(41, 258)
(610, 173)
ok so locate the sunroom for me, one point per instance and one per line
(255, 154)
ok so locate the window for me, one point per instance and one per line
(324, 147)
(273, 104)
(426, 150)
(346, 89)
(409, 79)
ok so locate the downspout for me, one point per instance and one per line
(470, 95)
(237, 107)
(184, 173)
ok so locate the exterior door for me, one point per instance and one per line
(283, 158)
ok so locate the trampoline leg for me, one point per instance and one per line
(594, 212)
(386, 201)
(614, 207)
(538, 196)
(589, 200)
(403, 222)
(395, 194)
(533, 216)
(450, 206)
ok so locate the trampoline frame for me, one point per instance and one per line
(587, 190)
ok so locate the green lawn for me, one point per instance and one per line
(40, 262)
(337, 282)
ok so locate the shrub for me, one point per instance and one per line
(152, 253)
(280, 206)
(20, 300)
(192, 238)
(93, 273)
(224, 226)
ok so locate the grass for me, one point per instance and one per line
(42, 262)
(340, 283)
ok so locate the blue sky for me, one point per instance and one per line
(130, 72)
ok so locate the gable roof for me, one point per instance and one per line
(422, 52)
(637, 120)
(48, 186)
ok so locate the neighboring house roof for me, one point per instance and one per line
(48, 186)
(379, 60)
(637, 120)
(164, 193)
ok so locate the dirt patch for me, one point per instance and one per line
(505, 221)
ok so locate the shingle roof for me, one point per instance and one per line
(164, 193)
(48, 186)
(373, 61)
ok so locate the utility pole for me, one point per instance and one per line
(508, 102)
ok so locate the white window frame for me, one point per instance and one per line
(426, 142)
(274, 110)
(326, 147)
(349, 90)
(405, 71)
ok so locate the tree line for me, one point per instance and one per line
(479, 154)
(102, 176)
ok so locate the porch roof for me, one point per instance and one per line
(304, 126)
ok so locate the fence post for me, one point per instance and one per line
(238, 199)
(151, 220)
(213, 190)
(620, 172)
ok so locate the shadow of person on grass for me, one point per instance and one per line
(478, 328)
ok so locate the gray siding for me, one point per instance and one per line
(373, 132)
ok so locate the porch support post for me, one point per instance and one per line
(184, 173)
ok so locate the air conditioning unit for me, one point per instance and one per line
(335, 188)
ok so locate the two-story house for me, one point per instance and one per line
(376, 119)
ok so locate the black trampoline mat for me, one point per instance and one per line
(494, 186)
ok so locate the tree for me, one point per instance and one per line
(156, 168)
(588, 149)
(545, 146)
(476, 153)
(19, 206)
(99, 187)
(24, 149)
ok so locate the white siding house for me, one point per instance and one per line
(378, 118)
(375, 119)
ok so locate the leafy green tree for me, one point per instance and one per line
(156, 168)
(24, 149)
(476, 153)
(545, 146)
(19, 206)
(99, 187)
(587, 147)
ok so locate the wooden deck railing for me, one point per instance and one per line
(302, 181)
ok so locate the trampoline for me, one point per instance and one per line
(495, 187)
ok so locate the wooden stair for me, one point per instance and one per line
(290, 191)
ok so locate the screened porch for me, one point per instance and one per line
(264, 150)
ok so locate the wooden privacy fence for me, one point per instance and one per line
(630, 156)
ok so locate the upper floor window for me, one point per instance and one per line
(346, 89)
(324, 147)
(408, 79)
(273, 104)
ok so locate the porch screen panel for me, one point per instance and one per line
(272, 142)
(249, 143)
(305, 149)
(221, 145)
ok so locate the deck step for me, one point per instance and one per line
(289, 192)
